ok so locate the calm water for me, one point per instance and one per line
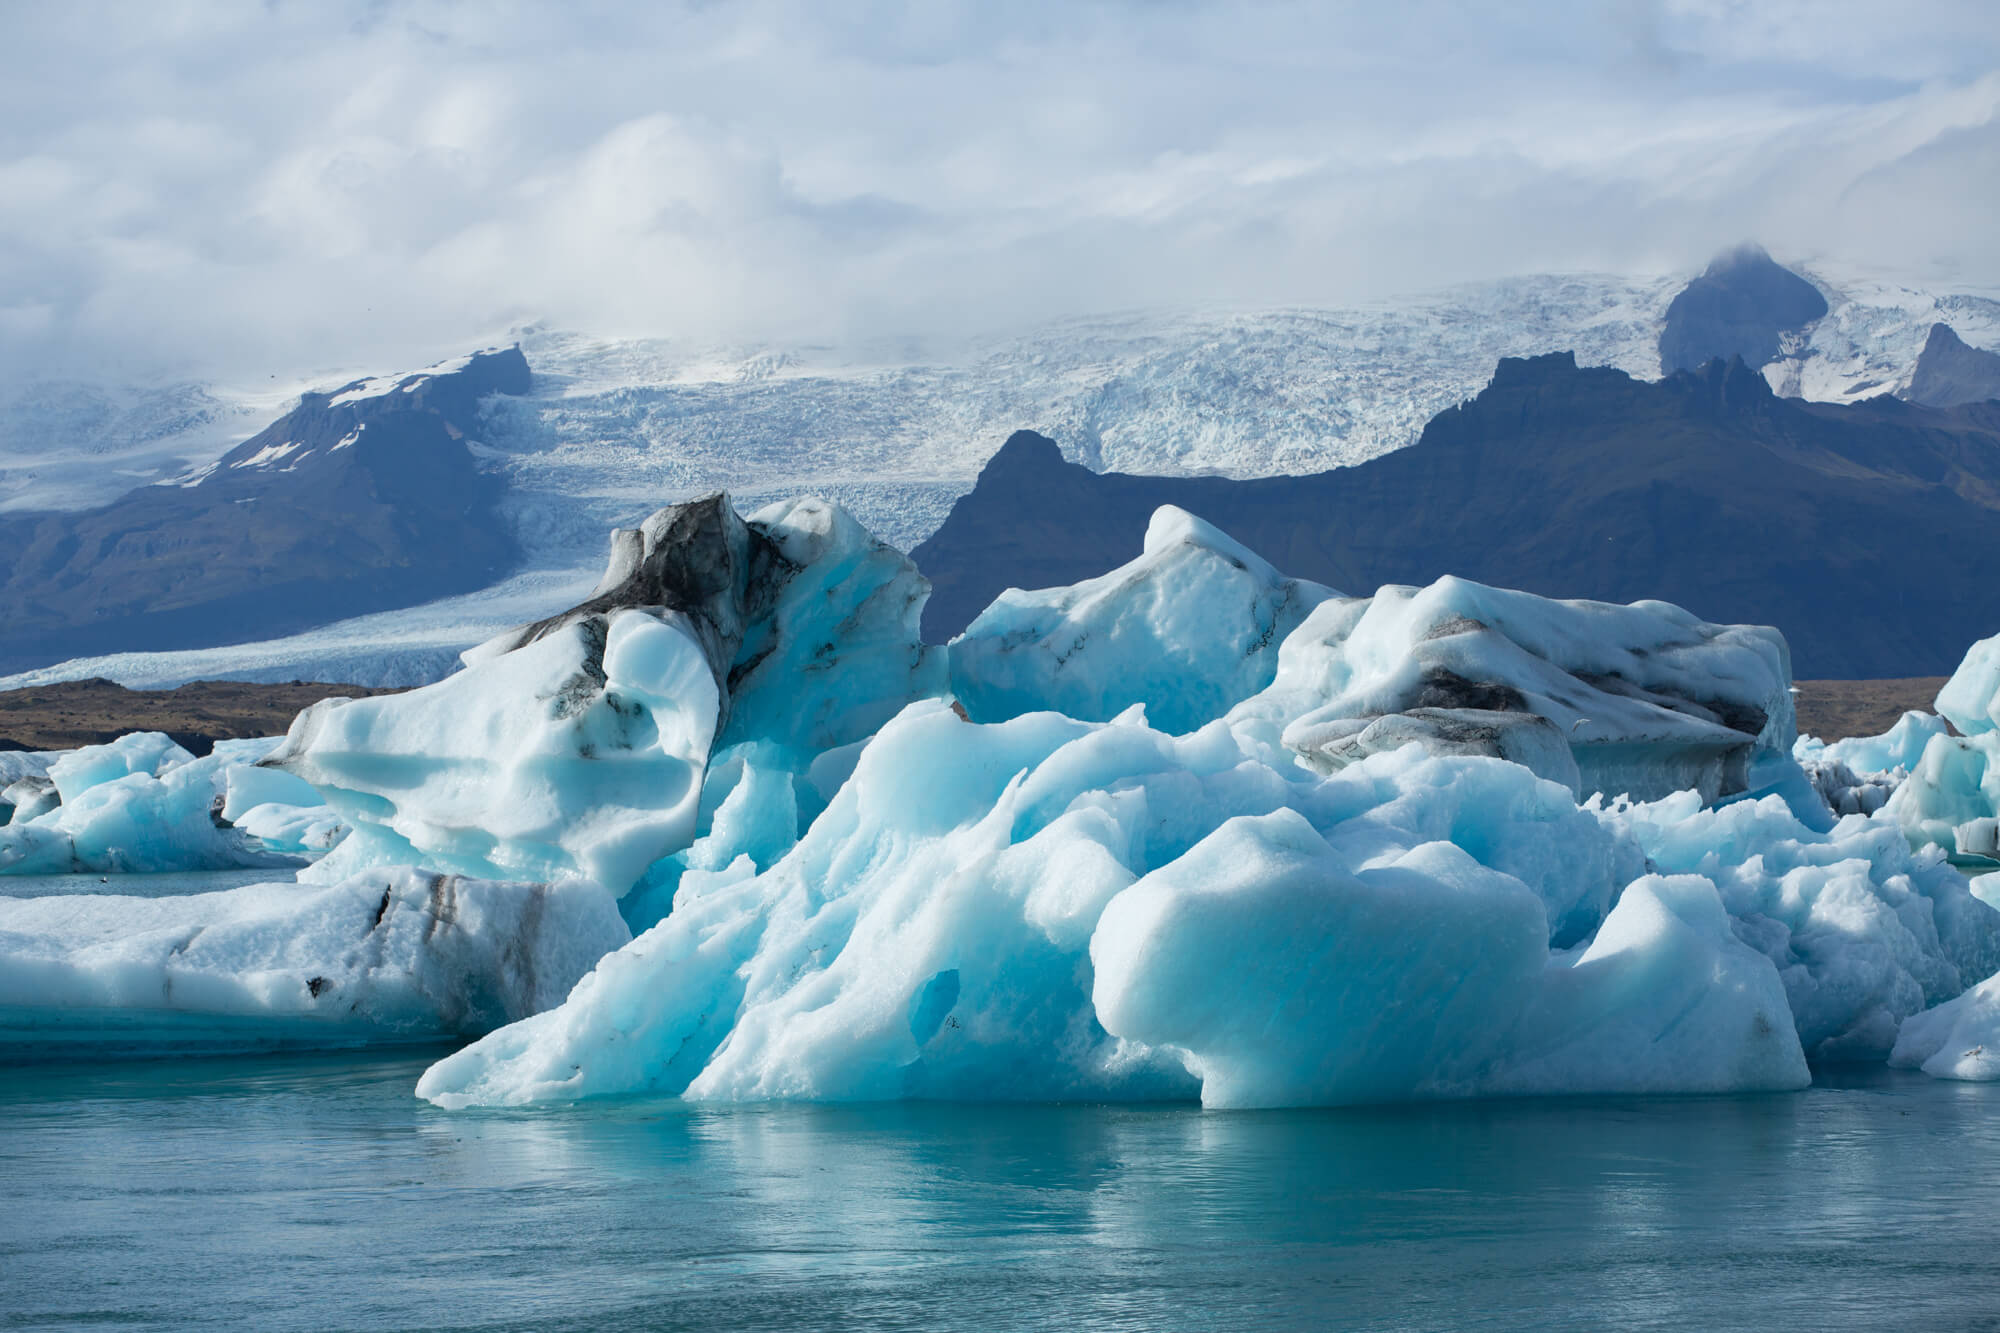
(316, 1193)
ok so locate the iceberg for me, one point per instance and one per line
(394, 956)
(1650, 699)
(1863, 931)
(1188, 629)
(143, 804)
(1048, 908)
(1970, 700)
(1959, 1039)
(580, 745)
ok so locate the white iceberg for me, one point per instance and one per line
(1970, 700)
(143, 804)
(391, 956)
(1863, 931)
(1188, 629)
(1051, 908)
(1959, 1039)
(1651, 699)
(580, 745)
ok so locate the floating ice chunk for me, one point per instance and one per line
(152, 753)
(1288, 978)
(400, 956)
(579, 752)
(931, 933)
(1899, 747)
(118, 821)
(1955, 784)
(1665, 999)
(1188, 629)
(1958, 1039)
(580, 744)
(1858, 775)
(1863, 932)
(1650, 699)
(1971, 698)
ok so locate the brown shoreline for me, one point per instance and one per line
(89, 712)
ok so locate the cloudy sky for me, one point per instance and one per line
(226, 188)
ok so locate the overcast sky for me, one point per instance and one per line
(230, 189)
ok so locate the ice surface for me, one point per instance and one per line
(1188, 629)
(1650, 699)
(1899, 747)
(1956, 783)
(1970, 700)
(1051, 908)
(579, 753)
(142, 804)
(1288, 978)
(1958, 1039)
(1863, 931)
(580, 744)
(392, 956)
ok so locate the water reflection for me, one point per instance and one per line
(319, 1191)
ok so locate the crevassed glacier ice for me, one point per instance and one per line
(581, 744)
(143, 804)
(1863, 931)
(1051, 908)
(1651, 699)
(1188, 629)
(388, 956)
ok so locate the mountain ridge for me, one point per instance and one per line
(1705, 489)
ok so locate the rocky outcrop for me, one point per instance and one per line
(1948, 373)
(1740, 306)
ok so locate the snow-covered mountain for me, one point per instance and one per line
(897, 430)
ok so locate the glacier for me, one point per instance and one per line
(895, 430)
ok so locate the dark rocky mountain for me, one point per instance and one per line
(1738, 307)
(1868, 533)
(1949, 373)
(364, 499)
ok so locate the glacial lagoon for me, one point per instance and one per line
(317, 1192)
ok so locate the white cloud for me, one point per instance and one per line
(194, 188)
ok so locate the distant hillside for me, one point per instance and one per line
(364, 499)
(1740, 307)
(1948, 373)
(1867, 533)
